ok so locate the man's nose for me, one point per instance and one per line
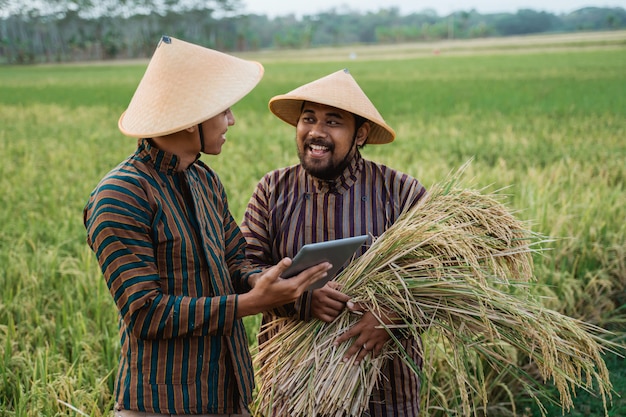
(318, 130)
(231, 117)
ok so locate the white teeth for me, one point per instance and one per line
(319, 148)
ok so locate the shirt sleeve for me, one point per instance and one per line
(118, 220)
(411, 192)
(255, 226)
(256, 229)
(239, 266)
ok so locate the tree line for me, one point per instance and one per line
(82, 30)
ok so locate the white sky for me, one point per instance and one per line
(274, 8)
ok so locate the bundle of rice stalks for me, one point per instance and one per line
(457, 269)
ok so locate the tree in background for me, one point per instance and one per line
(79, 30)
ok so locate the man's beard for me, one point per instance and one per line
(329, 171)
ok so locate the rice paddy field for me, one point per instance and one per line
(543, 117)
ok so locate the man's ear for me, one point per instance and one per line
(362, 133)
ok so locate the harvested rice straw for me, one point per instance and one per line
(456, 266)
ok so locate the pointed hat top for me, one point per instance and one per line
(186, 84)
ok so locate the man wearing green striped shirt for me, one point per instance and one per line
(169, 249)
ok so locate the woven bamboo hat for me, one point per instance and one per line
(339, 90)
(186, 84)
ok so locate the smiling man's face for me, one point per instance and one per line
(326, 140)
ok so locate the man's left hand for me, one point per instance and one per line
(370, 336)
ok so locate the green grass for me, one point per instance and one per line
(549, 124)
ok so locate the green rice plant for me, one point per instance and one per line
(457, 268)
(547, 122)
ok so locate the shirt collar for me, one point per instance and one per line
(343, 182)
(161, 160)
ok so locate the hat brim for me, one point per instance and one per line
(339, 90)
(288, 107)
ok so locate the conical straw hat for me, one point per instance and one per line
(339, 90)
(186, 84)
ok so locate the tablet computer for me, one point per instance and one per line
(338, 252)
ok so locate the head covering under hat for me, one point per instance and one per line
(339, 90)
(186, 84)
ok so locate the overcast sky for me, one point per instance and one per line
(274, 8)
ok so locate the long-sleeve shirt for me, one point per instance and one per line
(289, 208)
(173, 259)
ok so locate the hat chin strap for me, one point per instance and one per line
(201, 131)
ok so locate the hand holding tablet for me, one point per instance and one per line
(337, 252)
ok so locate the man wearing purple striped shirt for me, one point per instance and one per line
(334, 193)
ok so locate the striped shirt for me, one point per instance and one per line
(173, 259)
(289, 208)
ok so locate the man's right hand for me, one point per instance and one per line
(328, 301)
(270, 290)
